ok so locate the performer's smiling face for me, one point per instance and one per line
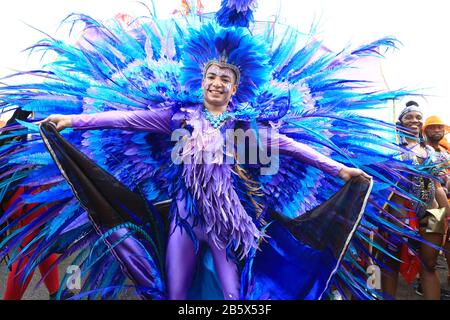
(413, 121)
(219, 84)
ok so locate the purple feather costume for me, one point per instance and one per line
(221, 219)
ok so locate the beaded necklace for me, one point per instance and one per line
(216, 121)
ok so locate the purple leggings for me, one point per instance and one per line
(181, 261)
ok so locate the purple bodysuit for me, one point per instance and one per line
(224, 221)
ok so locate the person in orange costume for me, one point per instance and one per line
(435, 130)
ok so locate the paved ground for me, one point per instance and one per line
(32, 293)
(405, 292)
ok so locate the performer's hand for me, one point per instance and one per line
(61, 121)
(347, 173)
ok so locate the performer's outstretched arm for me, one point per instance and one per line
(308, 155)
(143, 120)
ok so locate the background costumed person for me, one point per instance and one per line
(415, 211)
(434, 131)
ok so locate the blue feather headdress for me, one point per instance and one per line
(232, 46)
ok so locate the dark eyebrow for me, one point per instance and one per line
(222, 76)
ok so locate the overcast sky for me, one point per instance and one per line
(422, 62)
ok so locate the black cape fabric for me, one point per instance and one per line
(301, 256)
